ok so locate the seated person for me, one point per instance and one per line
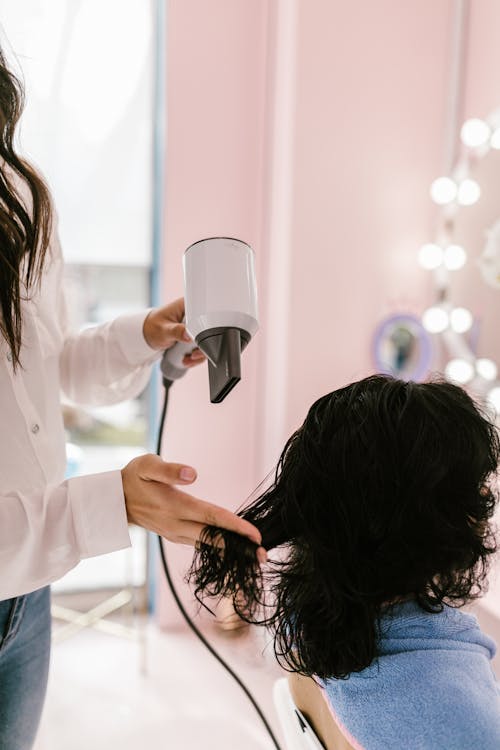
(381, 507)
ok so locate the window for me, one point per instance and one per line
(88, 72)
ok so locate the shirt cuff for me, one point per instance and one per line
(128, 330)
(98, 505)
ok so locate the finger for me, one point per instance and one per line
(158, 470)
(189, 361)
(261, 555)
(192, 365)
(186, 532)
(213, 515)
(192, 533)
(178, 332)
(196, 354)
(175, 310)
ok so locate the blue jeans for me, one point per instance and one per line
(24, 667)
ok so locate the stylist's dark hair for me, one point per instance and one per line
(24, 229)
(383, 494)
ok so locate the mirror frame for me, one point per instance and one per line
(421, 370)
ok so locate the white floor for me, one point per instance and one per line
(99, 699)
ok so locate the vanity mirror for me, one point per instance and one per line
(464, 258)
(402, 347)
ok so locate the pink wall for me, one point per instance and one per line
(482, 89)
(370, 106)
(311, 130)
(217, 59)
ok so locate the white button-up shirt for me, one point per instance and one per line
(46, 524)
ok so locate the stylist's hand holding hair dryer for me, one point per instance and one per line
(150, 497)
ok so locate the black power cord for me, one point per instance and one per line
(167, 384)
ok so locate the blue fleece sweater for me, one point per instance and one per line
(431, 688)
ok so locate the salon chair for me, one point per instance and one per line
(298, 733)
(306, 718)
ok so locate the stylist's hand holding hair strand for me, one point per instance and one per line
(152, 502)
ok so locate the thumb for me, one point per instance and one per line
(178, 332)
(155, 469)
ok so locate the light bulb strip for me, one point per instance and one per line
(464, 366)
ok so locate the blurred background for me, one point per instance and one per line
(356, 147)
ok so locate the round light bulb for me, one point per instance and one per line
(493, 398)
(459, 370)
(461, 319)
(469, 192)
(444, 190)
(495, 139)
(430, 256)
(435, 319)
(454, 257)
(475, 132)
(486, 368)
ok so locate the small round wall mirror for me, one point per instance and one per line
(402, 348)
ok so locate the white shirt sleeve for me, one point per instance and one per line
(44, 534)
(47, 526)
(106, 363)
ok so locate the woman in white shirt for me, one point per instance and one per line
(46, 524)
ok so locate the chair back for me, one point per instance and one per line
(298, 733)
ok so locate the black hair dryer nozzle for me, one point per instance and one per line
(223, 348)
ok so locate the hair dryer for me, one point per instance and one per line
(220, 295)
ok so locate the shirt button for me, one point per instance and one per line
(9, 357)
(35, 429)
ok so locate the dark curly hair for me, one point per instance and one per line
(382, 495)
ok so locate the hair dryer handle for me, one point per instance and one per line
(171, 364)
